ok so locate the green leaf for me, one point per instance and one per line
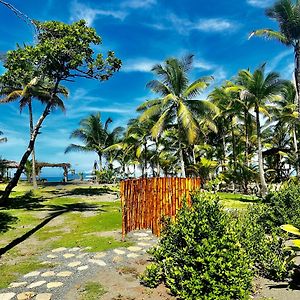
(291, 229)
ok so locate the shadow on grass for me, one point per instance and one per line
(27, 201)
(55, 211)
(87, 191)
(5, 221)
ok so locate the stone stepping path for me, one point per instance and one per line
(71, 265)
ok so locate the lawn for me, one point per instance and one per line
(54, 216)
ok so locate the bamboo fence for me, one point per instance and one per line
(146, 200)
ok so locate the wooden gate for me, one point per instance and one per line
(146, 200)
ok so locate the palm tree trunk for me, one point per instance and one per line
(297, 73)
(34, 183)
(14, 181)
(181, 160)
(247, 137)
(100, 161)
(296, 150)
(145, 160)
(264, 188)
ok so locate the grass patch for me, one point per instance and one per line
(237, 201)
(12, 272)
(92, 291)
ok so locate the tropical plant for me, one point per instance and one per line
(176, 105)
(287, 15)
(95, 136)
(2, 139)
(35, 88)
(260, 89)
(62, 52)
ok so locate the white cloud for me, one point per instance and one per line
(136, 4)
(260, 3)
(275, 62)
(201, 64)
(214, 25)
(82, 11)
(139, 65)
(185, 26)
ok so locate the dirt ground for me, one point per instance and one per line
(122, 283)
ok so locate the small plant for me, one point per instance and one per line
(200, 256)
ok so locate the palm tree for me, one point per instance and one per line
(288, 117)
(38, 89)
(176, 105)
(94, 135)
(260, 89)
(3, 139)
(287, 15)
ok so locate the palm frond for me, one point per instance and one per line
(271, 35)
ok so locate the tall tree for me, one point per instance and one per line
(62, 52)
(94, 135)
(24, 93)
(287, 15)
(260, 89)
(176, 105)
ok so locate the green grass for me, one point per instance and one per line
(92, 291)
(237, 201)
(69, 226)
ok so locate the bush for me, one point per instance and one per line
(284, 206)
(264, 246)
(199, 255)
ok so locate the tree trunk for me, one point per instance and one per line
(181, 161)
(296, 150)
(14, 181)
(264, 188)
(145, 160)
(100, 161)
(34, 183)
(297, 83)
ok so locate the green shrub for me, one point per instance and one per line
(284, 206)
(199, 255)
(264, 246)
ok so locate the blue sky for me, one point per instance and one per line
(142, 33)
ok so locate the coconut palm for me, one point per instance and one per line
(287, 15)
(176, 105)
(288, 117)
(260, 89)
(3, 139)
(38, 89)
(94, 135)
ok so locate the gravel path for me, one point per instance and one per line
(72, 266)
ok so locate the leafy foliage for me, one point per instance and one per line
(200, 256)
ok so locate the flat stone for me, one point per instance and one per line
(51, 256)
(74, 264)
(48, 274)
(144, 238)
(134, 249)
(61, 249)
(132, 255)
(149, 231)
(46, 262)
(7, 296)
(32, 274)
(25, 295)
(36, 284)
(74, 249)
(141, 234)
(118, 251)
(43, 296)
(64, 274)
(144, 244)
(98, 262)
(82, 268)
(54, 284)
(68, 255)
(82, 255)
(100, 255)
(88, 248)
(17, 284)
(118, 259)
